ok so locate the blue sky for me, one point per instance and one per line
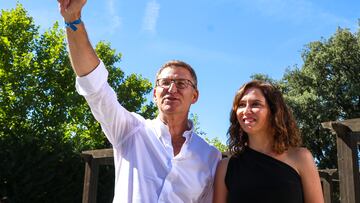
(226, 41)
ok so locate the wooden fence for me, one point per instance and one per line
(347, 140)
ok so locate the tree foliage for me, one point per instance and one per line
(214, 141)
(325, 88)
(45, 124)
(195, 119)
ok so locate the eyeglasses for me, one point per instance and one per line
(179, 83)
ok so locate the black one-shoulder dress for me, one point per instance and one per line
(253, 177)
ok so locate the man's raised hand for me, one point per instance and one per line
(71, 9)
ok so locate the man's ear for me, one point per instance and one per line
(154, 95)
(195, 96)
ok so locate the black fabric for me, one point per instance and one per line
(253, 177)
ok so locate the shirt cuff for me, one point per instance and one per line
(92, 82)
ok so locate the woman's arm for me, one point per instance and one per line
(309, 177)
(220, 190)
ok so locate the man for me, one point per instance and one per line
(160, 160)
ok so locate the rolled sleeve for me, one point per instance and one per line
(91, 83)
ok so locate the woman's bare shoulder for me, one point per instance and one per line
(300, 154)
(301, 157)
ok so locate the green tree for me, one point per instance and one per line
(325, 88)
(195, 119)
(259, 76)
(44, 122)
(215, 141)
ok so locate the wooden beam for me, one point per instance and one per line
(353, 124)
(99, 153)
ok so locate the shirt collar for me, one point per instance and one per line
(163, 130)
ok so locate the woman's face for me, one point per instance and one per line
(253, 112)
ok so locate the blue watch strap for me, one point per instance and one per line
(73, 24)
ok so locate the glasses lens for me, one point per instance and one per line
(164, 82)
(180, 83)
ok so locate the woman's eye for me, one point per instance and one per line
(256, 104)
(241, 106)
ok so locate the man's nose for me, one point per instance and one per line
(172, 87)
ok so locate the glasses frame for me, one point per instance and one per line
(174, 81)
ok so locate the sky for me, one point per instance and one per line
(225, 41)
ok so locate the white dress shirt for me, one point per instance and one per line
(146, 170)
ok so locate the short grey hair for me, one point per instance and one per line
(180, 64)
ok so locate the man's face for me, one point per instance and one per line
(171, 99)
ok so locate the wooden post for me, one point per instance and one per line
(90, 180)
(93, 159)
(347, 139)
(327, 177)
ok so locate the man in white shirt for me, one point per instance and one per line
(160, 160)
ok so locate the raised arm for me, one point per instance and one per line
(82, 55)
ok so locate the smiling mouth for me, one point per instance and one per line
(170, 99)
(248, 120)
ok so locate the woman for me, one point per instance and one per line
(267, 164)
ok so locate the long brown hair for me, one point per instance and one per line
(286, 131)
